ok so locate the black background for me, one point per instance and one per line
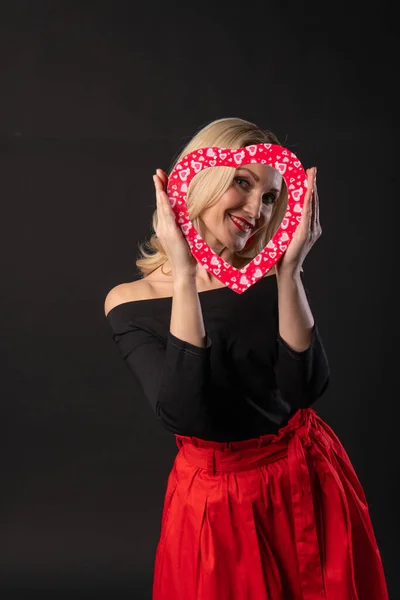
(94, 97)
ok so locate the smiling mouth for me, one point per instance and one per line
(240, 224)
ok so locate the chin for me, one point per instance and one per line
(227, 243)
(237, 247)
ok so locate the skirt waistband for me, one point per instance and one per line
(293, 440)
(306, 436)
(218, 457)
(217, 462)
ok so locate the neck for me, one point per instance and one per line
(203, 274)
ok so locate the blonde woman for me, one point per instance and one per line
(262, 502)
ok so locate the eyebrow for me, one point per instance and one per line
(256, 177)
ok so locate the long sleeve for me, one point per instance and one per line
(302, 377)
(243, 383)
(173, 374)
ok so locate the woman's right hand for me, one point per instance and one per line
(181, 260)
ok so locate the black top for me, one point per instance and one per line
(244, 383)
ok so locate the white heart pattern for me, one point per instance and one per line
(184, 174)
(239, 280)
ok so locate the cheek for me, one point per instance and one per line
(229, 199)
(266, 215)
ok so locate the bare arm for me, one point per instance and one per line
(302, 368)
(295, 317)
(186, 315)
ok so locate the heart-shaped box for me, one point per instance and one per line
(278, 157)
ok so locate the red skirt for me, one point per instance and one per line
(278, 517)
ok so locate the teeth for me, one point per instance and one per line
(240, 223)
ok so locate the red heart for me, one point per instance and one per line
(239, 280)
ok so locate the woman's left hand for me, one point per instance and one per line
(307, 232)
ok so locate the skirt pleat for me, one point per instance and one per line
(279, 517)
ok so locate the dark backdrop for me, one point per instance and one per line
(95, 95)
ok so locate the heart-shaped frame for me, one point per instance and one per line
(291, 169)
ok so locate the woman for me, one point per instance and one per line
(262, 501)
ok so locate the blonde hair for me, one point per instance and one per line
(210, 184)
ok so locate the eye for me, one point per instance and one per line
(241, 180)
(271, 198)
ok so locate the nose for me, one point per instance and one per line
(253, 206)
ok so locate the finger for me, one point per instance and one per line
(159, 198)
(162, 186)
(314, 202)
(164, 204)
(161, 194)
(307, 200)
(158, 183)
(317, 222)
(312, 199)
(163, 177)
(309, 184)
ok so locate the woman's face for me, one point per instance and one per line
(252, 196)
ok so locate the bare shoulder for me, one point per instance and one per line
(127, 292)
